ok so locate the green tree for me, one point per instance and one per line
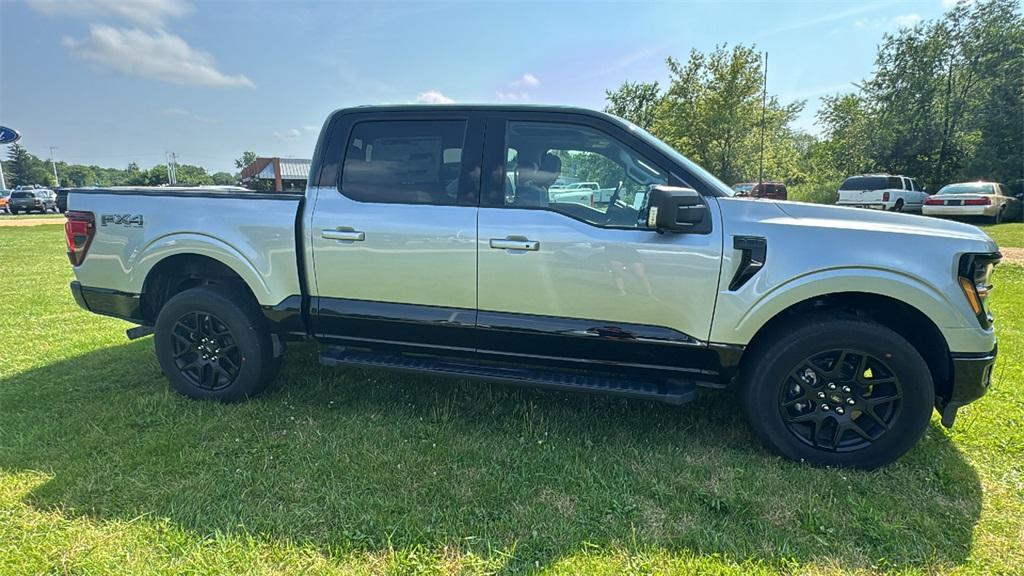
(223, 179)
(246, 159)
(25, 169)
(190, 175)
(635, 102)
(711, 111)
(948, 91)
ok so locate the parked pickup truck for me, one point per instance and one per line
(404, 253)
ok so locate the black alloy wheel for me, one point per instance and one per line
(840, 400)
(205, 351)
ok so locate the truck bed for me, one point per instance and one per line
(253, 233)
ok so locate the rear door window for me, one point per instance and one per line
(404, 162)
(866, 183)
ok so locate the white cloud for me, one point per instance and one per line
(143, 12)
(433, 97)
(290, 134)
(311, 128)
(182, 113)
(831, 16)
(527, 79)
(894, 23)
(159, 56)
(512, 96)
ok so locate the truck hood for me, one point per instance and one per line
(877, 220)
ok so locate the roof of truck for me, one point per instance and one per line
(479, 107)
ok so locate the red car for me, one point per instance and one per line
(771, 190)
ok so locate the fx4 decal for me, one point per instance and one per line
(127, 220)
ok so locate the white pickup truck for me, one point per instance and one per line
(881, 192)
(405, 253)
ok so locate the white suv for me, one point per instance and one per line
(881, 192)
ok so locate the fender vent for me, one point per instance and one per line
(755, 252)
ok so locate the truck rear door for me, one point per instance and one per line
(393, 242)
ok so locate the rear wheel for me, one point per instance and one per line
(898, 207)
(213, 343)
(842, 392)
(998, 218)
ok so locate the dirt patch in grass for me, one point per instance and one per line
(1013, 255)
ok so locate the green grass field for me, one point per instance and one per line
(104, 470)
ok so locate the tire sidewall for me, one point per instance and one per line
(761, 398)
(247, 328)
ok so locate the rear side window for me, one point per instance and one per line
(408, 162)
(871, 183)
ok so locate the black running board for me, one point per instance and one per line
(671, 392)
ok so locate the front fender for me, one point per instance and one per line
(740, 315)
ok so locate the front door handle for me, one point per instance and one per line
(515, 243)
(343, 233)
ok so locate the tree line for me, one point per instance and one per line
(23, 168)
(944, 103)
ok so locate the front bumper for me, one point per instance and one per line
(109, 302)
(972, 375)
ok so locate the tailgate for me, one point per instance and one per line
(861, 196)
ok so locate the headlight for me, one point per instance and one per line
(974, 276)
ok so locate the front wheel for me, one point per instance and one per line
(213, 343)
(844, 392)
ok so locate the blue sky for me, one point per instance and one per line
(109, 82)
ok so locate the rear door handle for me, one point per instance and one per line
(343, 233)
(515, 243)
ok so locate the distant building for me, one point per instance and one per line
(277, 174)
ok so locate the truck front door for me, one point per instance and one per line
(586, 282)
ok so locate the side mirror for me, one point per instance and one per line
(676, 209)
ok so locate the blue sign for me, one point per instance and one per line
(8, 135)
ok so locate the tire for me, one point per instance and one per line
(212, 342)
(807, 416)
(998, 218)
(898, 207)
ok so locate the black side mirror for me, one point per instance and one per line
(676, 209)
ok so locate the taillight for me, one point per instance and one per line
(885, 196)
(933, 202)
(78, 231)
(978, 202)
(974, 274)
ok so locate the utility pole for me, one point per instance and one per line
(54, 164)
(764, 106)
(172, 168)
